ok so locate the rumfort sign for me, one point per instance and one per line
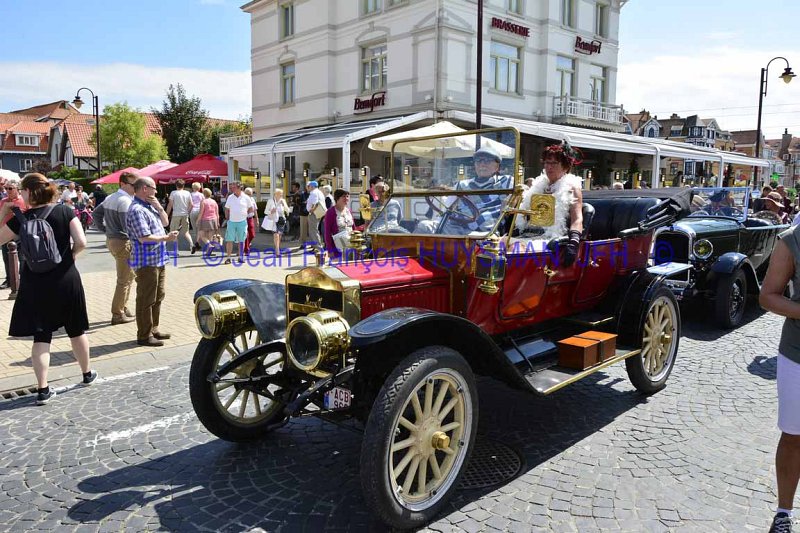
(368, 105)
(587, 47)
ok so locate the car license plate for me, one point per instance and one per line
(337, 398)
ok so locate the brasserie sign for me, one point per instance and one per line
(505, 25)
(367, 105)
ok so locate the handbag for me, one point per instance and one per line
(319, 211)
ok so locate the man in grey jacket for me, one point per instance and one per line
(110, 218)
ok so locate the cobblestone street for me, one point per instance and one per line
(128, 453)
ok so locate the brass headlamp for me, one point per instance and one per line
(315, 339)
(219, 312)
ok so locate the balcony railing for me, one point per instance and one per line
(571, 107)
(231, 141)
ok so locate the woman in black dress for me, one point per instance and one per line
(50, 300)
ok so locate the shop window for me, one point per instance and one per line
(568, 13)
(566, 76)
(601, 19)
(370, 6)
(25, 165)
(514, 6)
(287, 20)
(287, 84)
(504, 68)
(374, 68)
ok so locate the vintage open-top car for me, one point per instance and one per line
(450, 289)
(728, 246)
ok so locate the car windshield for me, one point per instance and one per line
(728, 202)
(443, 185)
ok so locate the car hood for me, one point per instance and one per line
(706, 226)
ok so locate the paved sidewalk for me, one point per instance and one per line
(113, 346)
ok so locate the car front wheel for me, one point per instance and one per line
(233, 409)
(731, 299)
(419, 437)
(661, 331)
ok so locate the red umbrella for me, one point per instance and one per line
(157, 167)
(199, 169)
(114, 178)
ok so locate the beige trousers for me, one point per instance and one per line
(121, 251)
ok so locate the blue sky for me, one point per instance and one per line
(685, 56)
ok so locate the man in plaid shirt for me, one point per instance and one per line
(145, 223)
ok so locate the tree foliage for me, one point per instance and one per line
(124, 139)
(183, 124)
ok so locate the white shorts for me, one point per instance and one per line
(788, 395)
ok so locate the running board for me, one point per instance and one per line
(554, 378)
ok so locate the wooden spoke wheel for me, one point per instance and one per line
(661, 331)
(230, 410)
(419, 436)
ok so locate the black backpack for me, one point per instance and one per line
(37, 242)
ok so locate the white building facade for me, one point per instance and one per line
(323, 62)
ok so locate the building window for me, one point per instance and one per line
(598, 75)
(287, 84)
(393, 3)
(287, 20)
(370, 6)
(675, 131)
(566, 76)
(568, 13)
(374, 68)
(25, 165)
(504, 68)
(515, 6)
(601, 20)
(651, 132)
(27, 140)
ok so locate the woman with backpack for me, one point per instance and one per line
(51, 294)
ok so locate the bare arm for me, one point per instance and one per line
(202, 210)
(78, 237)
(781, 270)
(576, 211)
(6, 234)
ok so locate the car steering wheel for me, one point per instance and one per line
(438, 205)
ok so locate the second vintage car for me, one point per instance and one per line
(728, 246)
(395, 341)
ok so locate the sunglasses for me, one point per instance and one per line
(11, 188)
(485, 160)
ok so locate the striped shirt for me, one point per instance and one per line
(110, 216)
(489, 205)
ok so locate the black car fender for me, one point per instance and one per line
(632, 306)
(265, 302)
(728, 263)
(384, 338)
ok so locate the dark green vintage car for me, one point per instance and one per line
(728, 246)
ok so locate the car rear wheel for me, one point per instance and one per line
(729, 305)
(234, 411)
(419, 437)
(661, 331)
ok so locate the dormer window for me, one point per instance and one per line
(27, 140)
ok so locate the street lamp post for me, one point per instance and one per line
(77, 102)
(479, 89)
(762, 92)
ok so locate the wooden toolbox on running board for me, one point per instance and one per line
(608, 343)
(578, 353)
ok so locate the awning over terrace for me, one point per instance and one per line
(617, 142)
(330, 136)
